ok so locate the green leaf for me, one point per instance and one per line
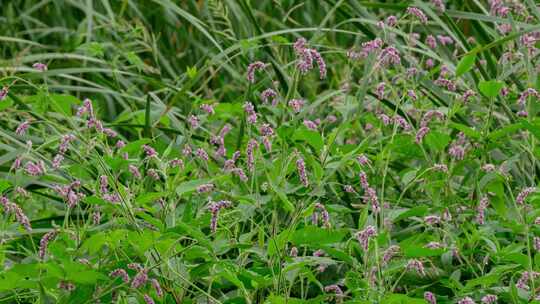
(402, 299)
(86, 277)
(437, 140)
(149, 197)
(419, 251)
(316, 236)
(313, 138)
(465, 64)
(466, 130)
(490, 88)
(191, 186)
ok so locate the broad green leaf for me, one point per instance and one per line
(465, 64)
(313, 138)
(420, 251)
(490, 88)
(316, 236)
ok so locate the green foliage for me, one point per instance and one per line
(141, 163)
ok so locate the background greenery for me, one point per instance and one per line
(148, 65)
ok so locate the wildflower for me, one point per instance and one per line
(153, 174)
(293, 252)
(10, 207)
(320, 63)
(208, 108)
(439, 5)
(390, 253)
(310, 124)
(266, 130)
(86, 108)
(120, 273)
(296, 104)
(421, 134)
(522, 113)
(413, 38)
(385, 119)
(148, 299)
(251, 146)
(522, 196)
(176, 163)
(418, 13)
(466, 300)
(536, 244)
(103, 183)
(306, 56)
(324, 214)
(525, 94)
(204, 188)
(64, 143)
(301, 166)
(432, 219)
(450, 85)
(489, 299)
(319, 253)
(444, 40)
(96, 217)
(120, 144)
(257, 65)
(467, 95)
(389, 56)
(430, 297)
(371, 196)
(400, 121)
(426, 119)
(537, 221)
(21, 191)
(335, 288)
(457, 148)
(433, 245)
(440, 167)
(69, 194)
(416, 265)
(134, 171)
(149, 151)
(135, 266)
(3, 93)
(362, 160)
(110, 132)
(21, 129)
(363, 180)
(348, 188)
(480, 210)
(157, 287)
(193, 121)
(431, 41)
(140, 278)
(364, 236)
(380, 90)
(67, 286)
(430, 63)
(35, 169)
(214, 208)
(269, 94)
(391, 21)
(44, 242)
(526, 276)
(40, 66)
(57, 161)
(202, 154)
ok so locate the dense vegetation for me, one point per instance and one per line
(235, 151)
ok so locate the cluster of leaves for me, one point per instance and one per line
(390, 158)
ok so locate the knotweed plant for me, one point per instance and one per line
(333, 152)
